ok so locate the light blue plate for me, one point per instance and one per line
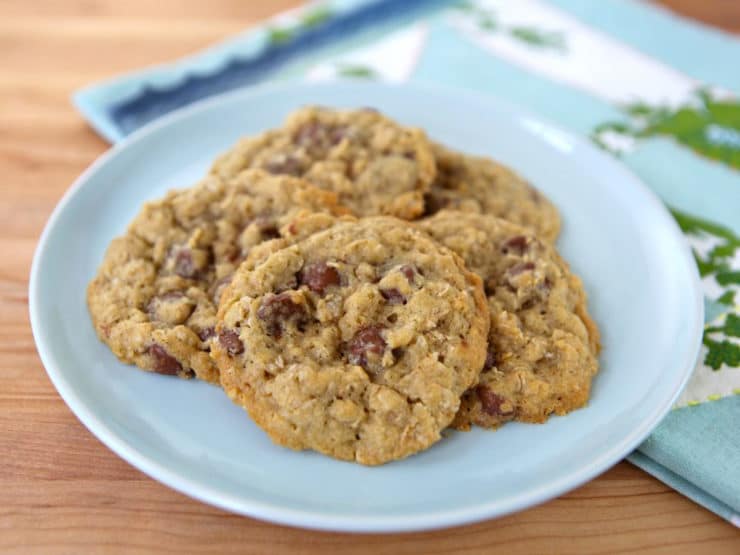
(636, 267)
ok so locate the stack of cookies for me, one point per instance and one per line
(355, 287)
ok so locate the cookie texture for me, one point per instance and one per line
(372, 163)
(155, 296)
(542, 346)
(356, 342)
(481, 185)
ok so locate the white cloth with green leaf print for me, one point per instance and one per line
(717, 252)
(659, 92)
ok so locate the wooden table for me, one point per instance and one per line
(61, 490)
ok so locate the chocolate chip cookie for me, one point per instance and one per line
(480, 185)
(542, 346)
(155, 297)
(375, 165)
(356, 342)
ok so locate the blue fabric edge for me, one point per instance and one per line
(684, 487)
(85, 102)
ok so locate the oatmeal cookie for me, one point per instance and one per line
(543, 346)
(155, 296)
(375, 165)
(356, 342)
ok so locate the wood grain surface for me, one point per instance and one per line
(61, 490)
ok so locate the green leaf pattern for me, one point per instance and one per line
(708, 126)
(717, 253)
(356, 71)
(487, 20)
(308, 19)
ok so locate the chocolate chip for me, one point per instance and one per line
(206, 333)
(492, 403)
(267, 227)
(282, 164)
(163, 362)
(409, 271)
(337, 134)
(184, 266)
(279, 310)
(393, 296)
(490, 359)
(318, 277)
(516, 245)
(367, 340)
(397, 353)
(520, 268)
(229, 340)
(315, 134)
(270, 233)
(433, 204)
(409, 155)
(188, 263)
(233, 254)
(489, 287)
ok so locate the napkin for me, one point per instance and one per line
(655, 90)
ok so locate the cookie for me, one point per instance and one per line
(356, 342)
(155, 296)
(543, 346)
(373, 164)
(480, 185)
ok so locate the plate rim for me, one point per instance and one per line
(273, 512)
